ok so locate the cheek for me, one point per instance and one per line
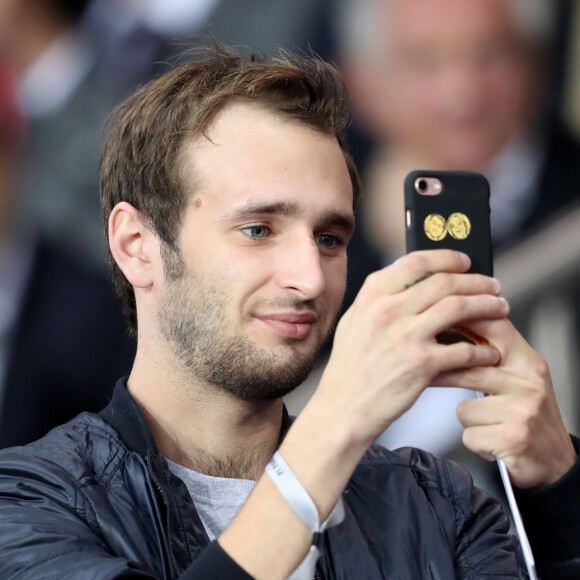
(246, 275)
(509, 99)
(247, 266)
(335, 274)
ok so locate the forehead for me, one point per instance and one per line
(443, 21)
(250, 152)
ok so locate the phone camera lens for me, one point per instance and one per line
(422, 184)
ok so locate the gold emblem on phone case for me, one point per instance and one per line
(458, 226)
(435, 227)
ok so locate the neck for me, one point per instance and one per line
(201, 426)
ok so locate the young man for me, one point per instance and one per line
(229, 199)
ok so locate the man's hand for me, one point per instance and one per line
(519, 421)
(385, 351)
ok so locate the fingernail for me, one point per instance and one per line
(496, 285)
(464, 259)
(505, 303)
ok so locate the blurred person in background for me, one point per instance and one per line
(454, 85)
(78, 58)
(62, 336)
(460, 86)
(253, 25)
(65, 95)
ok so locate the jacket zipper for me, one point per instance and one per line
(166, 535)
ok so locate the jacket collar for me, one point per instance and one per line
(124, 415)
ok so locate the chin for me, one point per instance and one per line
(287, 352)
(467, 159)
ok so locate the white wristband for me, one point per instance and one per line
(303, 506)
(297, 497)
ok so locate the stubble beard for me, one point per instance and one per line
(192, 319)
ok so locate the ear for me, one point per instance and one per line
(133, 245)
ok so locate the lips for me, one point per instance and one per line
(297, 325)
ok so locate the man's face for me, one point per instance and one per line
(453, 81)
(263, 244)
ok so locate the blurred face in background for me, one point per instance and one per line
(451, 81)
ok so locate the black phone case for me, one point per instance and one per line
(463, 194)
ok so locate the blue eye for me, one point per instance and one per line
(258, 232)
(328, 241)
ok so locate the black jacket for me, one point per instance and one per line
(94, 499)
(68, 347)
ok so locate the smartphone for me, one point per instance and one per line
(449, 209)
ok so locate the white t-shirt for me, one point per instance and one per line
(217, 499)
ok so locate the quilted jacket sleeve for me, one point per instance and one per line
(44, 531)
(552, 519)
(483, 546)
(48, 531)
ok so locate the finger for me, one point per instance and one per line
(414, 268)
(429, 292)
(487, 441)
(520, 370)
(503, 335)
(462, 356)
(529, 462)
(507, 440)
(460, 310)
(490, 380)
(487, 410)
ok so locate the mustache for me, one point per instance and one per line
(287, 303)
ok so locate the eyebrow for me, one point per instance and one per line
(287, 209)
(254, 208)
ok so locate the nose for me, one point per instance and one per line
(464, 84)
(300, 270)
